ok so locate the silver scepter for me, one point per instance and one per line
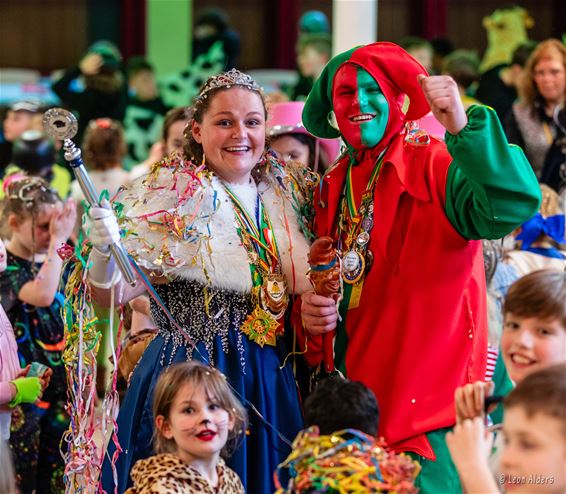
(62, 125)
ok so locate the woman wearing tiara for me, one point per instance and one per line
(222, 237)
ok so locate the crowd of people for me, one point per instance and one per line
(428, 356)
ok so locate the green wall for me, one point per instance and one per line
(169, 34)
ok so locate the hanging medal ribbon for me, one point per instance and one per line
(269, 285)
(354, 226)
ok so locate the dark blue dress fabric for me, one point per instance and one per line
(255, 373)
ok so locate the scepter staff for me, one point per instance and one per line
(62, 125)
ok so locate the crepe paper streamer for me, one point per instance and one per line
(347, 461)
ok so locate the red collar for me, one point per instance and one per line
(407, 161)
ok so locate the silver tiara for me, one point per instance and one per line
(228, 79)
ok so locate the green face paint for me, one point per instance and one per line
(361, 109)
(372, 101)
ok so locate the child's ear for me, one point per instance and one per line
(231, 422)
(13, 221)
(163, 427)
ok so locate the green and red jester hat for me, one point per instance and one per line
(396, 73)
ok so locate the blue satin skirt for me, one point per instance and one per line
(256, 375)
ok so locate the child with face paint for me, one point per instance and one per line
(407, 212)
(197, 419)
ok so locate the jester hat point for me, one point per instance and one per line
(394, 70)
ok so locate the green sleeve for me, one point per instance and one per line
(502, 387)
(491, 188)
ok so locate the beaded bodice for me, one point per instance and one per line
(203, 312)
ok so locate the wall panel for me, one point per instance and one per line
(42, 34)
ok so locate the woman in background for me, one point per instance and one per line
(533, 120)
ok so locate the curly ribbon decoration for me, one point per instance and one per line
(347, 461)
(82, 340)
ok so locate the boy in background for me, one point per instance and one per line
(339, 403)
(534, 456)
(144, 111)
(19, 118)
(313, 53)
(533, 338)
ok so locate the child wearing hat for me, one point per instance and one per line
(18, 119)
(291, 141)
(105, 89)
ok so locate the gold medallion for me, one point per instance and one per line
(274, 294)
(353, 267)
(261, 327)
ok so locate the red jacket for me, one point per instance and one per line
(420, 330)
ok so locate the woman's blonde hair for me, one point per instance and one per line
(548, 49)
(216, 387)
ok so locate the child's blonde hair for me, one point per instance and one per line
(25, 196)
(216, 387)
(543, 392)
(540, 294)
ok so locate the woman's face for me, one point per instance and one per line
(175, 140)
(287, 148)
(549, 76)
(232, 133)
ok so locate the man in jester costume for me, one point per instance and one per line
(406, 212)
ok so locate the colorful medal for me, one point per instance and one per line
(367, 223)
(353, 267)
(350, 261)
(261, 327)
(269, 291)
(363, 238)
(274, 294)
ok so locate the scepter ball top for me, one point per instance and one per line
(60, 124)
